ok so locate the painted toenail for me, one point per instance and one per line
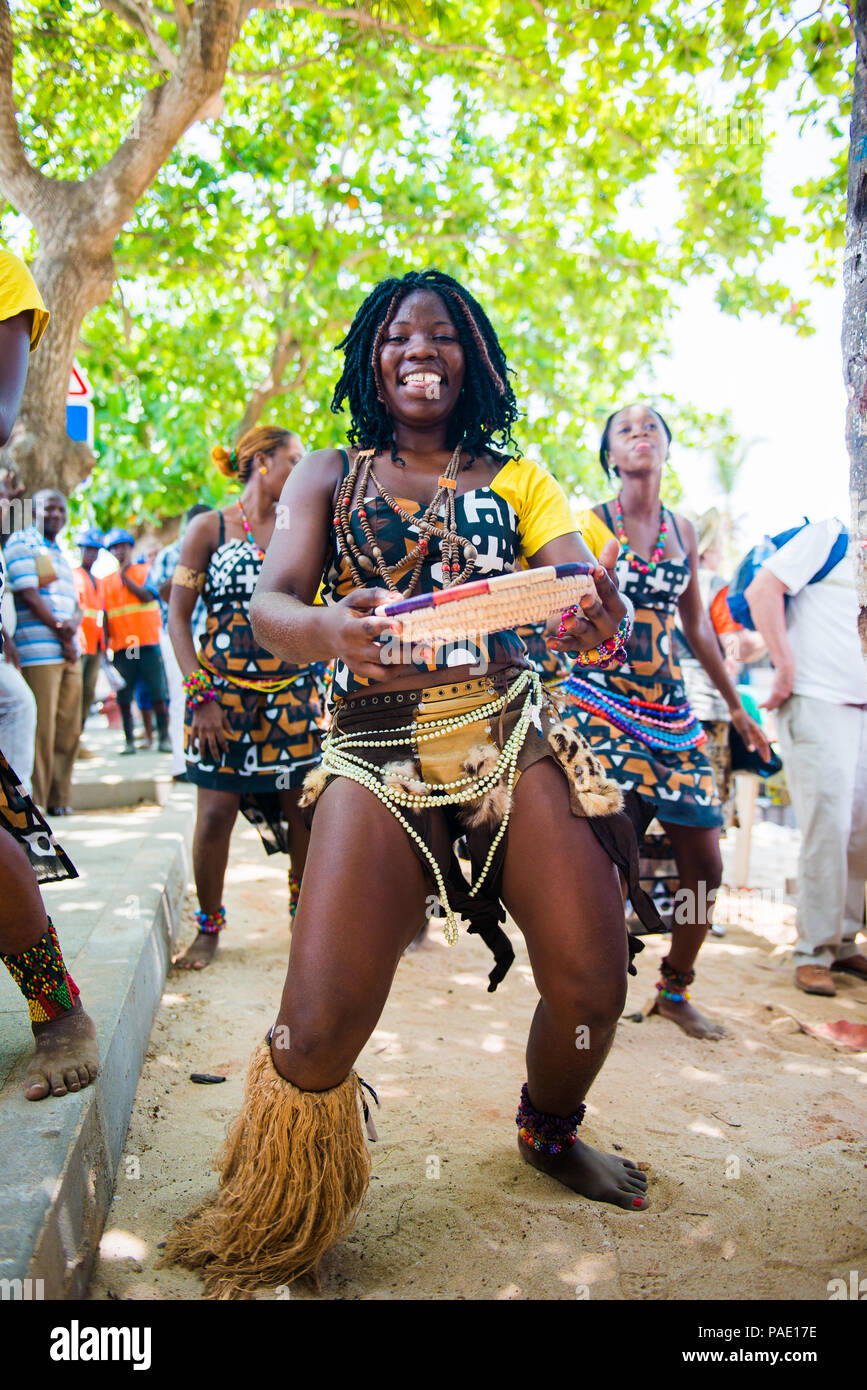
(637, 1201)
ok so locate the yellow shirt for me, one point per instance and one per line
(18, 293)
(538, 501)
(594, 531)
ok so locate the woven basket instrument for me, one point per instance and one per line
(490, 605)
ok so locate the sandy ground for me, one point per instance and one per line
(755, 1146)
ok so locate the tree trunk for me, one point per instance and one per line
(77, 224)
(71, 284)
(855, 314)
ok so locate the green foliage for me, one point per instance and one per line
(513, 146)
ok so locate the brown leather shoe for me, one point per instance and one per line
(814, 979)
(852, 965)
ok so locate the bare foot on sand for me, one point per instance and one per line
(694, 1024)
(67, 1058)
(201, 953)
(601, 1177)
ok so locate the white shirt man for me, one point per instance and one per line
(820, 694)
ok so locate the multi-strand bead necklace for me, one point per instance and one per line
(457, 554)
(635, 561)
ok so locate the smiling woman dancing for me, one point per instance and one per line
(418, 756)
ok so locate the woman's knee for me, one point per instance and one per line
(317, 1050)
(214, 821)
(710, 869)
(592, 999)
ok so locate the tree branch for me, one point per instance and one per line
(136, 15)
(27, 190)
(384, 26)
(166, 112)
(182, 15)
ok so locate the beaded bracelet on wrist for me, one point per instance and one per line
(211, 922)
(674, 984)
(549, 1134)
(609, 653)
(199, 688)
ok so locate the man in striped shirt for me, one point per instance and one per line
(47, 612)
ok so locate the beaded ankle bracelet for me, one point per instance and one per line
(199, 688)
(211, 922)
(674, 984)
(42, 977)
(549, 1134)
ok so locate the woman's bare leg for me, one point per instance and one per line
(363, 898)
(216, 813)
(699, 867)
(66, 1053)
(564, 893)
(299, 839)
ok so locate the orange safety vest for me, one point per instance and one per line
(129, 618)
(91, 636)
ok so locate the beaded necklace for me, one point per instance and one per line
(452, 545)
(635, 561)
(248, 532)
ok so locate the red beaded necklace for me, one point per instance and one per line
(635, 561)
(248, 532)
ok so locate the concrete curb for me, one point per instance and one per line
(59, 1157)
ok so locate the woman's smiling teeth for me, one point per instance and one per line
(428, 382)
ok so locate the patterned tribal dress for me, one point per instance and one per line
(25, 823)
(639, 723)
(274, 735)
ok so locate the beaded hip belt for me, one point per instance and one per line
(403, 789)
(264, 685)
(666, 728)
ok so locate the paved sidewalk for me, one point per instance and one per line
(117, 924)
(110, 779)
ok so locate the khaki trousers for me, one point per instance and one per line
(57, 690)
(90, 664)
(824, 748)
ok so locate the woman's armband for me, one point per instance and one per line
(189, 579)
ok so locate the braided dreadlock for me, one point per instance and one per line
(486, 407)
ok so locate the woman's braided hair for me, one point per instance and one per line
(486, 408)
(262, 439)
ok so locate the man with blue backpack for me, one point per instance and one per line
(800, 595)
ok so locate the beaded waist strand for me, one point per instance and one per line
(669, 728)
(342, 757)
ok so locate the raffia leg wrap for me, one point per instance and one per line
(294, 1171)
